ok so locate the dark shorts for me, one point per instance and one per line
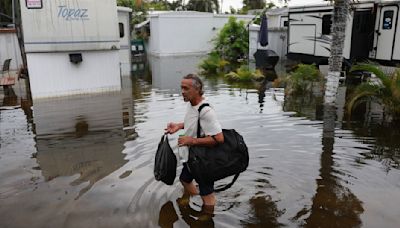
(186, 176)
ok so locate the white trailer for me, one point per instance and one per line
(72, 46)
(372, 33)
(124, 17)
(185, 32)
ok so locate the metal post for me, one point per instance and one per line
(13, 12)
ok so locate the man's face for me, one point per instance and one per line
(189, 92)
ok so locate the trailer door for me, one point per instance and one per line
(302, 39)
(386, 32)
(362, 35)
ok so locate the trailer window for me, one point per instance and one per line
(286, 23)
(326, 24)
(5, 15)
(121, 30)
(387, 19)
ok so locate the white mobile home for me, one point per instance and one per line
(72, 46)
(185, 32)
(124, 39)
(372, 32)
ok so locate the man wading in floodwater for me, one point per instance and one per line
(192, 91)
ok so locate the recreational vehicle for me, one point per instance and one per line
(372, 32)
(72, 46)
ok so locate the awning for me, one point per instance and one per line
(140, 25)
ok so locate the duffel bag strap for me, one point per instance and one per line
(220, 189)
(198, 120)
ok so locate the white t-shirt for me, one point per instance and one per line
(208, 120)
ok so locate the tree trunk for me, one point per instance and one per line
(340, 14)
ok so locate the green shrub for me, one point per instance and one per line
(303, 77)
(244, 74)
(214, 64)
(232, 42)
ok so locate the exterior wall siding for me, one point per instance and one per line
(52, 74)
(185, 33)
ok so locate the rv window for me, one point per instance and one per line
(5, 14)
(362, 22)
(121, 30)
(326, 24)
(387, 19)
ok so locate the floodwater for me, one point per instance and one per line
(87, 161)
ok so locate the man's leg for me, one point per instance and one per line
(209, 200)
(207, 210)
(190, 188)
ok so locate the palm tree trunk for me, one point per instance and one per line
(341, 11)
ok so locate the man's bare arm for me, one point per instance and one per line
(173, 127)
(206, 141)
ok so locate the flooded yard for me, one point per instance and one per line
(87, 161)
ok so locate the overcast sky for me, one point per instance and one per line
(237, 4)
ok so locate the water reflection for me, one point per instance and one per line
(264, 213)
(167, 72)
(10, 99)
(95, 156)
(369, 123)
(306, 105)
(168, 216)
(333, 205)
(80, 135)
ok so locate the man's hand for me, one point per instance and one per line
(173, 127)
(185, 141)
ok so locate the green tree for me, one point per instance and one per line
(203, 5)
(125, 3)
(258, 4)
(175, 5)
(254, 4)
(157, 5)
(232, 42)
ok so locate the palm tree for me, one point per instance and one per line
(343, 207)
(386, 91)
(203, 5)
(340, 14)
(254, 4)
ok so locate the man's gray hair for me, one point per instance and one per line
(196, 82)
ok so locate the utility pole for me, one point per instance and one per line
(13, 12)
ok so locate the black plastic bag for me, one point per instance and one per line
(165, 162)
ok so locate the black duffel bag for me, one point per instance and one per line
(209, 164)
(165, 162)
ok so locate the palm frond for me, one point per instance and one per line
(362, 91)
(395, 86)
(373, 69)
